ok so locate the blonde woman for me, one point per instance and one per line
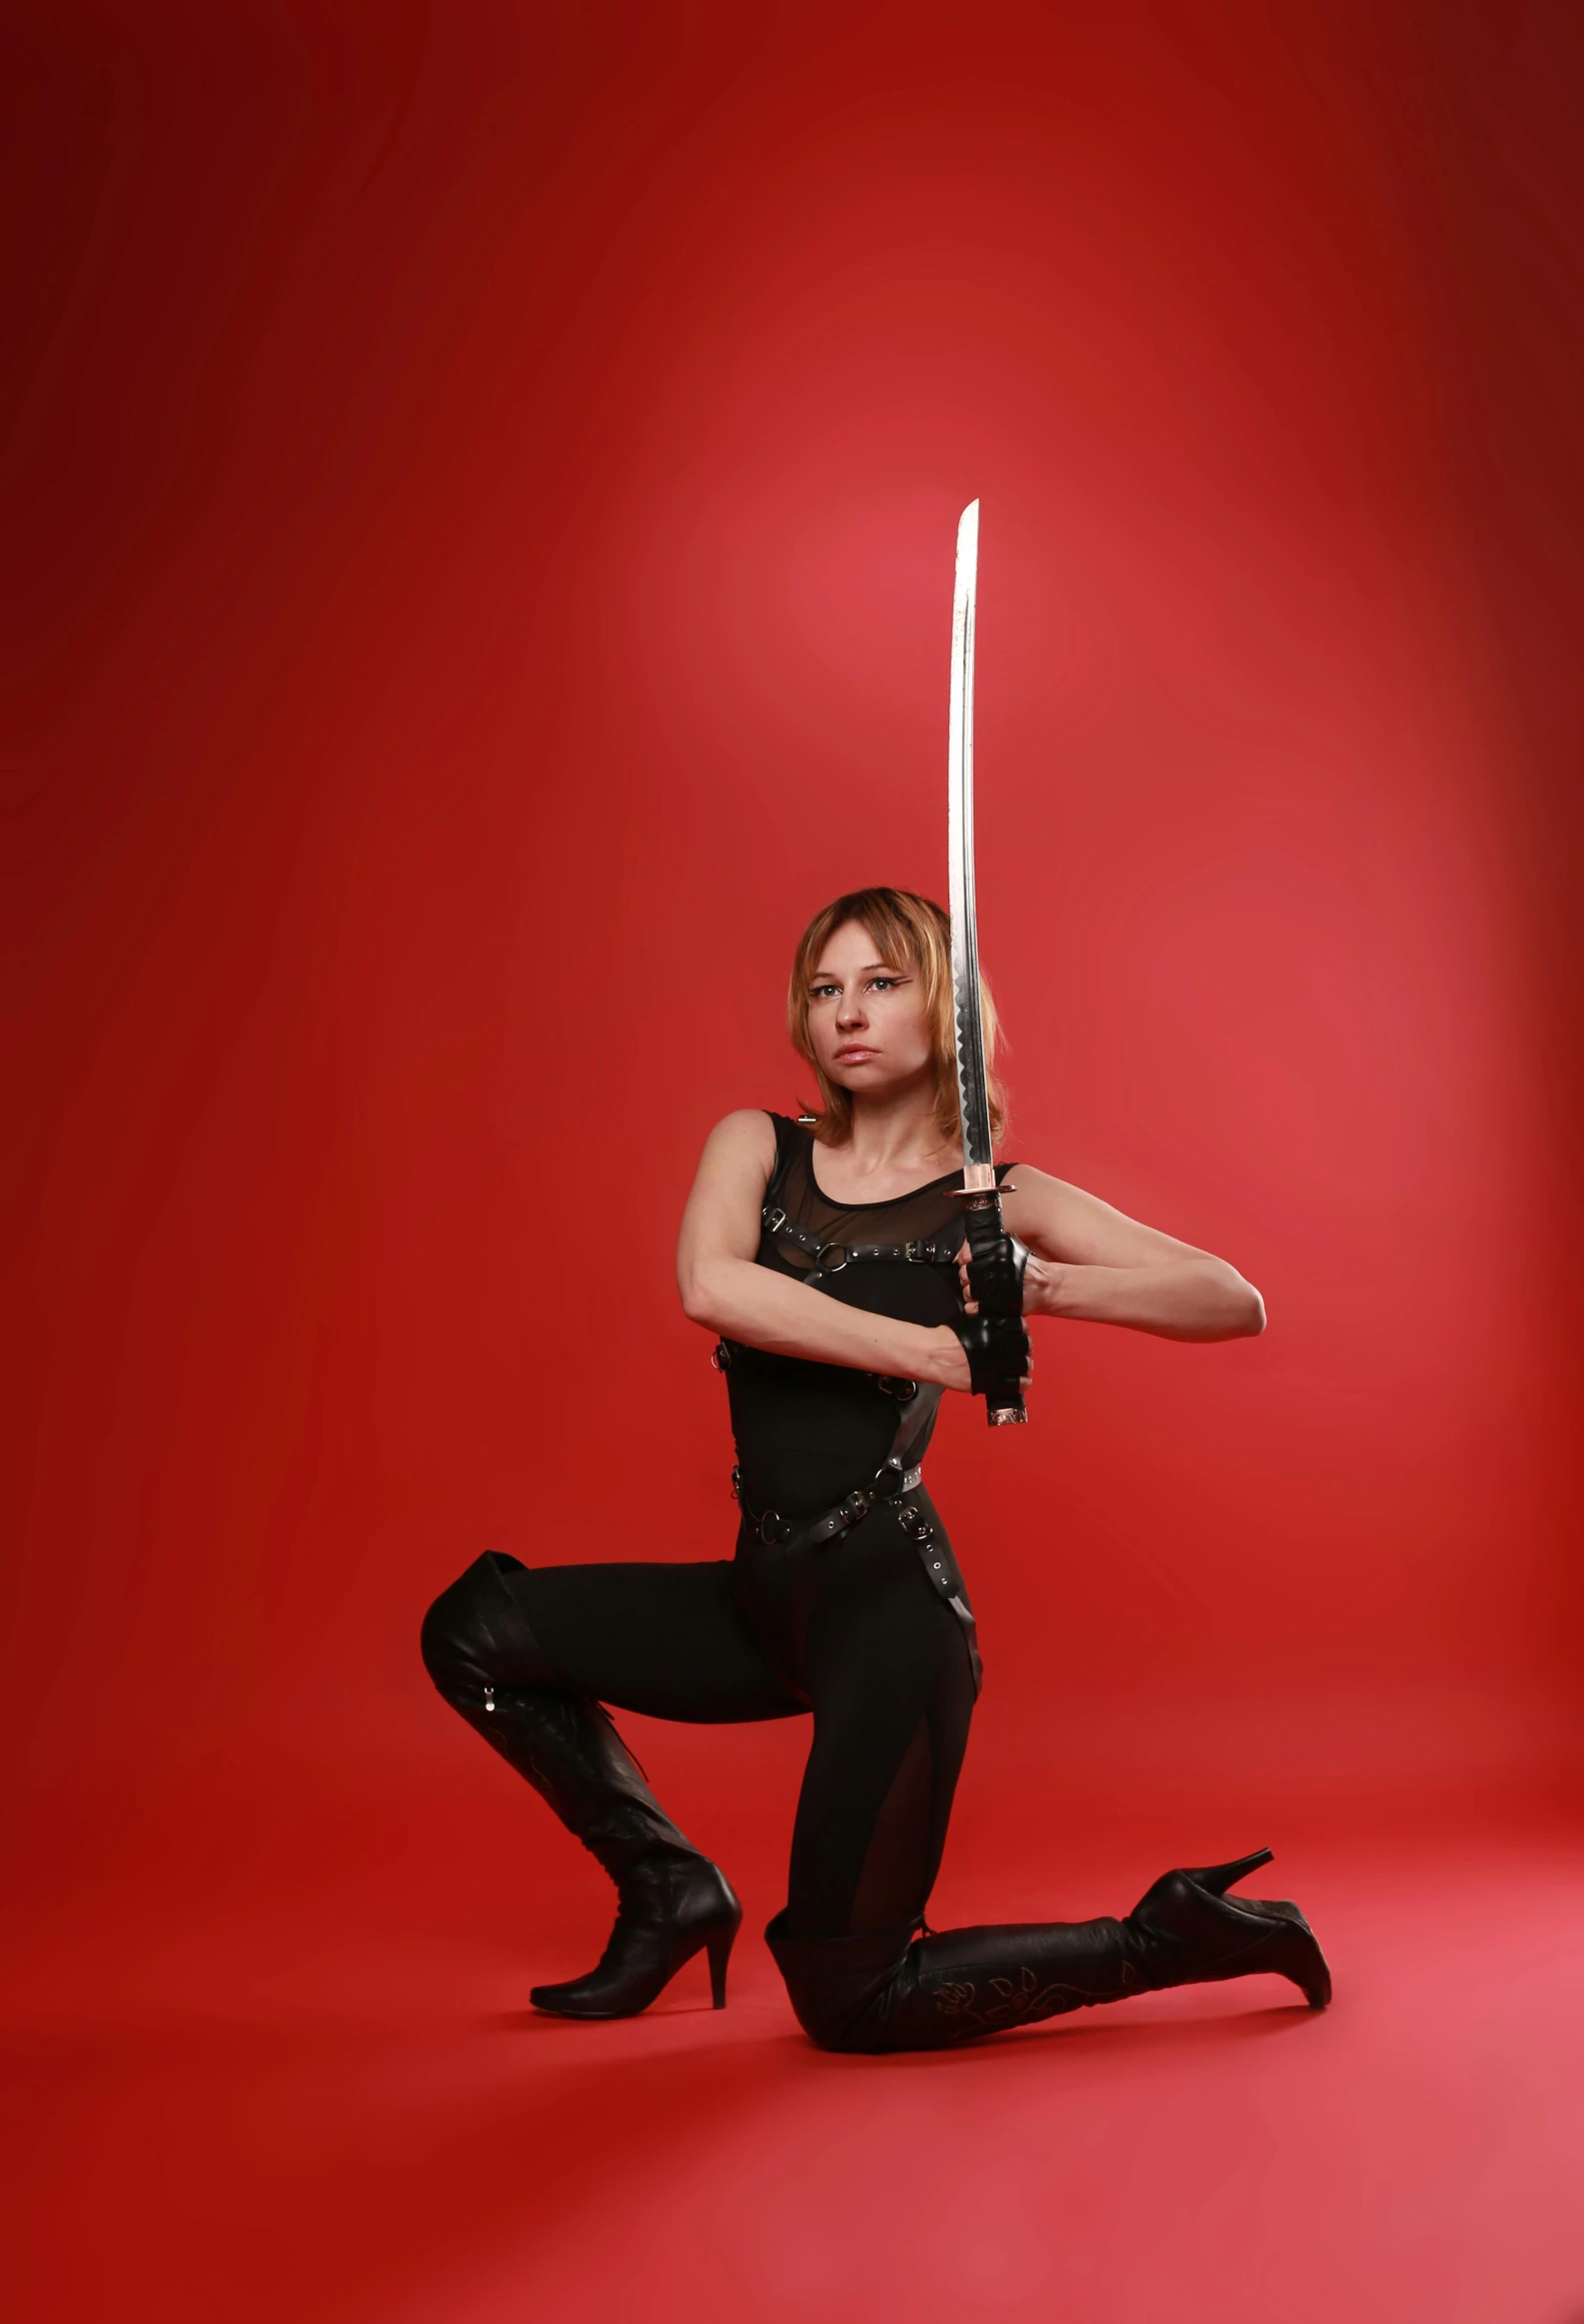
(824, 1254)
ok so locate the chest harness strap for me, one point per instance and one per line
(830, 1257)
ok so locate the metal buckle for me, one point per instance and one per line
(856, 1507)
(773, 1529)
(824, 1261)
(775, 1220)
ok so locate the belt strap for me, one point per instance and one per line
(773, 1530)
(777, 1531)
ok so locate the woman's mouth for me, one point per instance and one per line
(858, 1055)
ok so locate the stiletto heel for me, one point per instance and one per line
(672, 1909)
(719, 1948)
(1191, 1932)
(1217, 1879)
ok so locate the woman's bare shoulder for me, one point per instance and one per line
(747, 1124)
(745, 1139)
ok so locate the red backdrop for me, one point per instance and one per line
(482, 486)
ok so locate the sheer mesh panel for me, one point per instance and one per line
(808, 1433)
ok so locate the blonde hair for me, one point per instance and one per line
(909, 932)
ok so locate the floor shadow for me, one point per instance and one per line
(1157, 2037)
(532, 2021)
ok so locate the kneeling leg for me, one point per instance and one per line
(889, 1991)
(889, 1735)
(488, 1658)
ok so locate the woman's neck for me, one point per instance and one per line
(898, 1138)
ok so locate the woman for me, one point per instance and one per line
(825, 1255)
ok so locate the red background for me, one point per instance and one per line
(481, 487)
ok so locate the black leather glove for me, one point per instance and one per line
(996, 1274)
(997, 1348)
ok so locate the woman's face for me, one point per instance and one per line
(866, 1022)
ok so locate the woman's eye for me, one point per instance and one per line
(882, 984)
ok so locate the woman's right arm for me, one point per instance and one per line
(725, 1290)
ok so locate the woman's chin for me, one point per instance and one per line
(876, 1081)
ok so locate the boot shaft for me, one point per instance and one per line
(566, 1746)
(885, 1991)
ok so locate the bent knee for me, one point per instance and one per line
(840, 1987)
(477, 1632)
(459, 1631)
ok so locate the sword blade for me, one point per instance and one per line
(974, 1096)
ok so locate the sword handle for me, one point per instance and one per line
(996, 1278)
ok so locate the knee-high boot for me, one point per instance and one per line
(886, 1992)
(671, 1902)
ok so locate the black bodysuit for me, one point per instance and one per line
(843, 1600)
(870, 1631)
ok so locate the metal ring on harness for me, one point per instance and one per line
(775, 1530)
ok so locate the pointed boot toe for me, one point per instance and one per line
(671, 1908)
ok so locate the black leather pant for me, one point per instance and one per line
(857, 1634)
(852, 1633)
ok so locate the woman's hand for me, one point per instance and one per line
(950, 1367)
(1035, 1277)
(1039, 1283)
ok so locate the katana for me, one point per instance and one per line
(995, 1262)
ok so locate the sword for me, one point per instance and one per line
(997, 1353)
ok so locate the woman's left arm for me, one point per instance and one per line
(1093, 1264)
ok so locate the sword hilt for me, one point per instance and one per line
(996, 1278)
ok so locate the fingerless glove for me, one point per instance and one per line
(997, 1348)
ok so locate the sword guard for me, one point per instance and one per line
(974, 1199)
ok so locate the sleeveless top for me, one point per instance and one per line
(808, 1433)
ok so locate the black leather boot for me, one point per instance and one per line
(1188, 1932)
(884, 1992)
(671, 1902)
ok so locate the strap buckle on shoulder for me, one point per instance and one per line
(775, 1219)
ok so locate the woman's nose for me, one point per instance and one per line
(850, 1010)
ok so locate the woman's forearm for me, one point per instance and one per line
(742, 1300)
(1182, 1299)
